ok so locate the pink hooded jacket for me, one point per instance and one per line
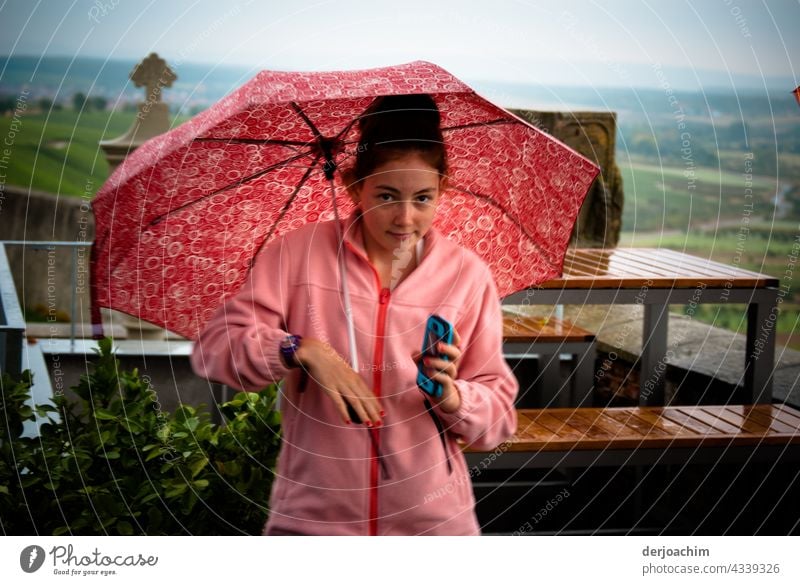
(331, 478)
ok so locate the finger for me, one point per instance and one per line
(371, 404)
(373, 408)
(341, 406)
(359, 406)
(439, 365)
(444, 379)
(450, 351)
(456, 338)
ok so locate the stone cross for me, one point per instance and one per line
(153, 73)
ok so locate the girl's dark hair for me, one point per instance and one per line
(394, 126)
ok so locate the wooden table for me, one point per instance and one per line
(656, 278)
(547, 338)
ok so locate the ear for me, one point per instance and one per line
(354, 192)
(352, 186)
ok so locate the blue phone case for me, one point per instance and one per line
(436, 329)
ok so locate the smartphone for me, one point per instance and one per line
(437, 330)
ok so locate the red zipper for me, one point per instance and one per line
(383, 300)
(376, 384)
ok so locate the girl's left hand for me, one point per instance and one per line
(446, 372)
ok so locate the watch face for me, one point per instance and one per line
(290, 343)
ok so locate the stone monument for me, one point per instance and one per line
(152, 115)
(152, 119)
(593, 135)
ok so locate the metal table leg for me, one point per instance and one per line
(759, 364)
(553, 394)
(584, 375)
(654, 350)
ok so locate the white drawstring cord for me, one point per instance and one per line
(348, 309)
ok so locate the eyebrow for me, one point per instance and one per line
(390, 188)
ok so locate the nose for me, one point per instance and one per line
(403, 213)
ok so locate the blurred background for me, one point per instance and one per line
(707, 129)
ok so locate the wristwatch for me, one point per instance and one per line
(289, 346)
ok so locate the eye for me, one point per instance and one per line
(385, 197)
(424, 199)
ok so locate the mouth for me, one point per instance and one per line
(401, 236)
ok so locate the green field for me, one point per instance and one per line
(58, 152)
(664, 198)
(713, 220)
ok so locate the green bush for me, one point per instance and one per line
(115, 463)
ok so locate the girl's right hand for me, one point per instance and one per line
(339, 381)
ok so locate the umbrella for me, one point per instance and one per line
(181, 219)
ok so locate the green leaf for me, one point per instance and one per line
(176, 491)
(197, 466)
(124, 528)
(149, 497)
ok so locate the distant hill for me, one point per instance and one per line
(61, 77)
(202, 84)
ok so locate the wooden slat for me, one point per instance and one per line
(577, 420)
(786, 414)
(711, 419)
(612, 267)
(747, 424)
(587, 268)
(528, 329)
(739, 276)
(581, 429)
(554, 425)
(687, 421)
(531, 430)
(688, 259)
(766, 419)
(671, 428)
(623, 264)
(618, 428)
(760, 415)
(577, 268)
(643, 427)
(683, 263)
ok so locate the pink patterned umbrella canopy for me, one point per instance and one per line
(178, 223)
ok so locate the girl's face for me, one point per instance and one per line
(398, 203)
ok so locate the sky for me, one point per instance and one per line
(744, 43)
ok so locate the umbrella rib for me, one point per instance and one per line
(306, 119)
(502, 208)
(227, 187)
(285, 208)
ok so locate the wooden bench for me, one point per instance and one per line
(526, 336)
(585, 437)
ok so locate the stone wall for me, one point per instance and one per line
(43, 277)
(592, 134)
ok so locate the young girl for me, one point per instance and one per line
(367, 452)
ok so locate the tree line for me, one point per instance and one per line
(78, 102)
